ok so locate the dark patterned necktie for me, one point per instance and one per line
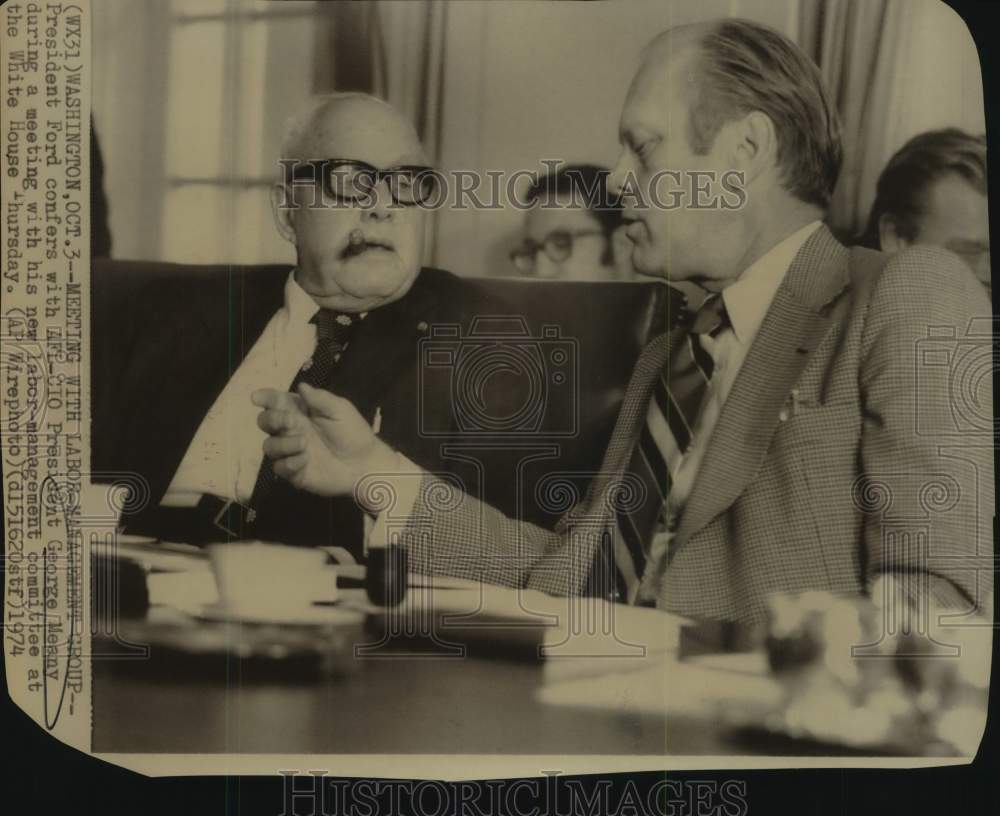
(678, 394)
(333, 332)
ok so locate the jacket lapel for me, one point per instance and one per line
(384, 346)
(796, 323)
(255, 297)
(228, 328)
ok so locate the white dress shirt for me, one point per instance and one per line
(225, 454)
(747, 301)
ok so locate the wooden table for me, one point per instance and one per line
(592, 693)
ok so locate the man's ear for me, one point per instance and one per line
(755, 144)
(889, 239)
(283, 212)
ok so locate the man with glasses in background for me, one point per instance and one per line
(351, 198)
(572, 231)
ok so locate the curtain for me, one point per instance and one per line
(409, 62)
(407, 58)
(344, 49)
(392, 49)
(860, 46)
(100, 232)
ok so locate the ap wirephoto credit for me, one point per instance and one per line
(468, 390)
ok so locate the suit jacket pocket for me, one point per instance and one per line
(818, 447)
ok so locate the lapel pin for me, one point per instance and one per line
(791, 407)
(422, 326)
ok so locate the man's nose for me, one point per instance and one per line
(381, 205)
(616, 176)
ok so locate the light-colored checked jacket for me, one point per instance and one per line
(857, 440)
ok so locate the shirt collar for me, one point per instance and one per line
(298, 302)
(749, 297)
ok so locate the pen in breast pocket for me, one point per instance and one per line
(377, 421)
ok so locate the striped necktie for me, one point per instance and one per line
(678, 393)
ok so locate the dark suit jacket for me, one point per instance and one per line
(857, 441)
(184, 338)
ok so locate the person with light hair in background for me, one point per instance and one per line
(933, 192)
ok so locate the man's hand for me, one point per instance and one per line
(318, 441)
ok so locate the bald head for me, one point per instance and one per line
(667, 67)
(670, 60)
(353, 125)
(353, 255)
(676, 41)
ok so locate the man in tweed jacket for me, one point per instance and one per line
(846, 432)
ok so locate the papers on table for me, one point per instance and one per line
(691, 687)
(159, 556)
(180, 577)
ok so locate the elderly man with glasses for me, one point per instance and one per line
(352, 199)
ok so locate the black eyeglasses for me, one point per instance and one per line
(351, 181)
(557, 245)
